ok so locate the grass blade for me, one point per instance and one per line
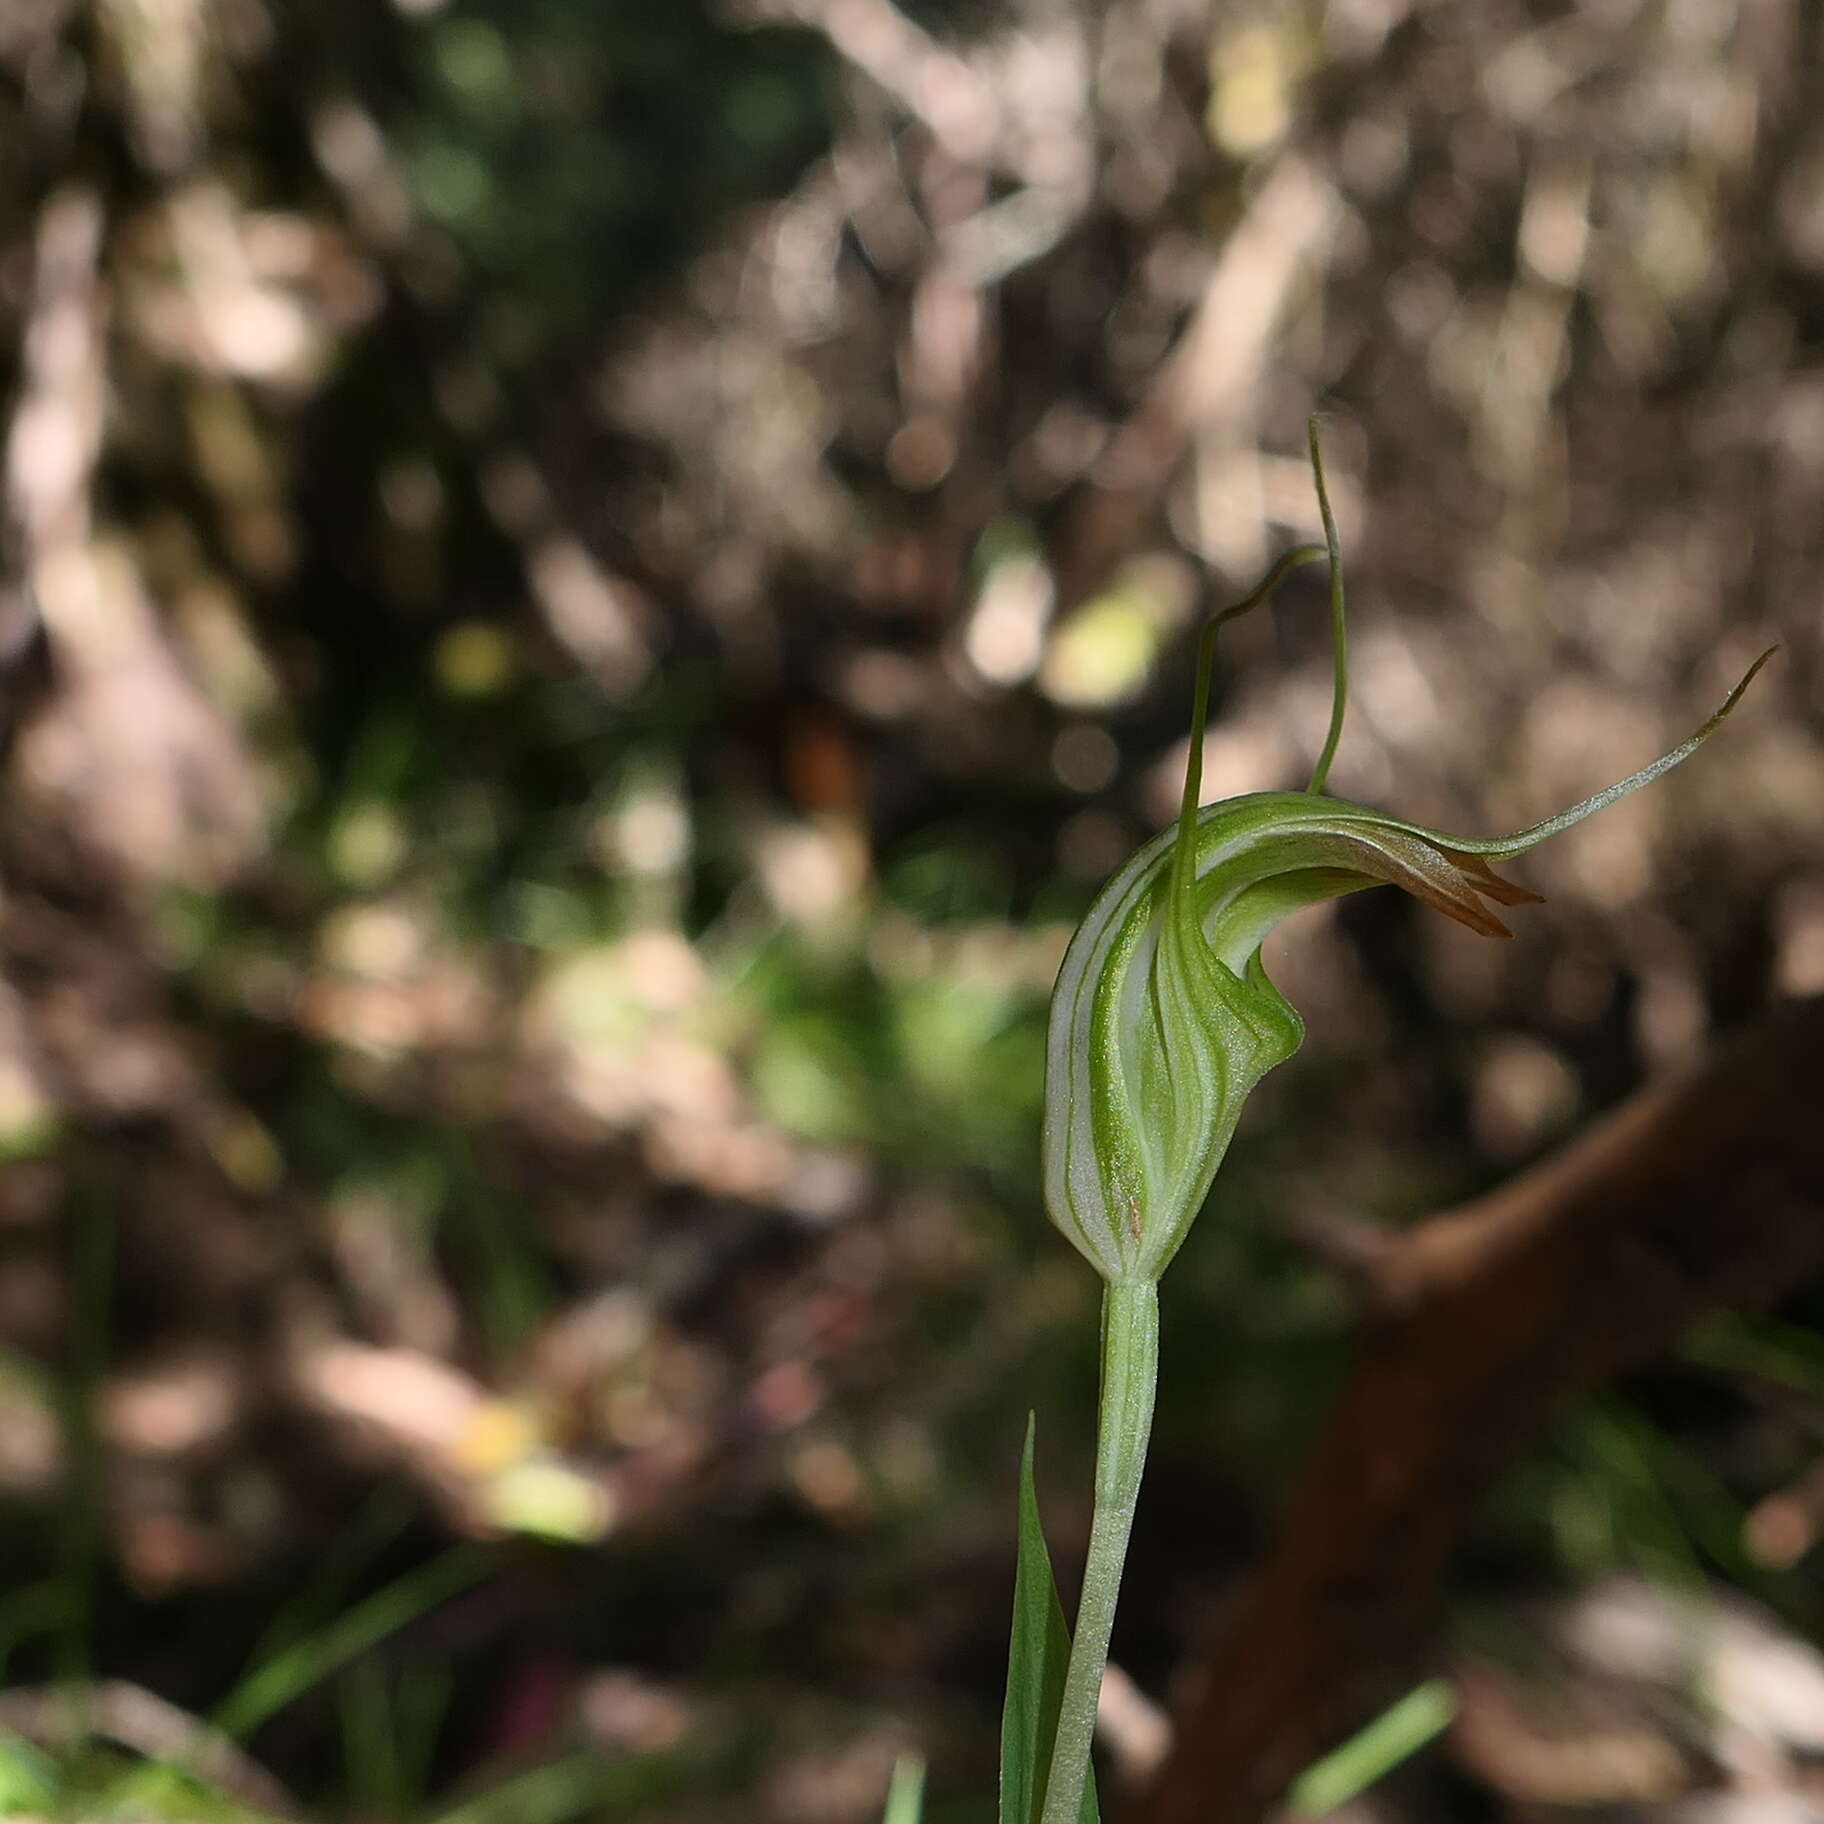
(905, 1791)
(1394, 1736)
(1036, 1655)
(273, 1685)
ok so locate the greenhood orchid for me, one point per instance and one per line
(1163, 1019)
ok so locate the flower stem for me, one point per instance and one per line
(1130, 1373)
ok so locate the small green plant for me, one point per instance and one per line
(1162, 1022)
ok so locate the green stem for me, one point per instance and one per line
(1130, 1373)
(1339, 632)
(1200, 686)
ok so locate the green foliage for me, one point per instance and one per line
(1397, 1734)
(906, 1793)
(28, 1778)
(1037, 1654)
(897, 1044)
(578, 1786)
(292, 1671)
(572, 150)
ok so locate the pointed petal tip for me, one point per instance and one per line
(1492, 885)
(1488, 925)
(1465, 908)
(1735, 696)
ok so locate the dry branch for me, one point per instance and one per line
(1701, 1195)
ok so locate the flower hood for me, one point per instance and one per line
(1163, 1018)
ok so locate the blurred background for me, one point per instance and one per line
(588, 592)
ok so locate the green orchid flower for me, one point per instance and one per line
(1163, 1019)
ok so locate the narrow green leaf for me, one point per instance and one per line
(906, 1791)
(1036, 1658)
(1395, 1735)
(269, 1687)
